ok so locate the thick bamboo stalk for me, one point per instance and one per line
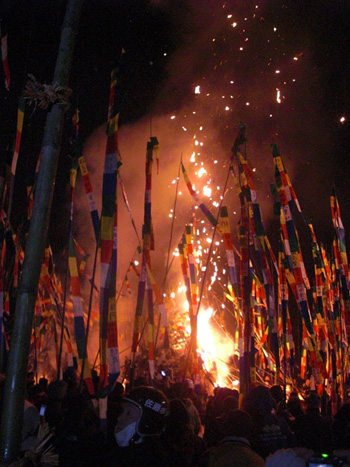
(12, 413)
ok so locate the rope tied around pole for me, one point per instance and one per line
(45, 95)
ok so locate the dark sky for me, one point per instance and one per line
(240, 53)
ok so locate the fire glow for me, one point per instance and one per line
(213, 346)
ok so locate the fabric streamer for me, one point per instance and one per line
(20, 119)
(147, 246)
(90, 195)
(293, 252)
(340, 255)
(226, 235)
(4, 53)
(109, 352)
(78, 309)
(49, 283)
(201, 205)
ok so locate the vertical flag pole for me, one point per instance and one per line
(12, 413)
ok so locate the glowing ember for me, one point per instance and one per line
(207, 191)
(202, 172)
(278, 97)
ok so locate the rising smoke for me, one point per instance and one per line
(237, 61)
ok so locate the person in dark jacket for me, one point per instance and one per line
(213, 429)
(311, 429)
(341, 428)
(270, 432)
(234, 448)
(294, 405)
(183, 445)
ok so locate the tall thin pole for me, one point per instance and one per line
(12, 413)
(245, 361)
(167, 267)
(63, 315)
(89, 310)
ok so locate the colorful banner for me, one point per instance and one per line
(109, 352)
(147, 246)
(20, 119)
(78, 311)
(4, 53)
(293, 253)
(90, 195)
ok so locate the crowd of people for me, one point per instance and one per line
(179, 425)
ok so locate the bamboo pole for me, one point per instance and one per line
(245, 361)
(12, 413)
(90, 309)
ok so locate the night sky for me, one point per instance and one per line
(211, 65)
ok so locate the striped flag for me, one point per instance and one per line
(226, 235)
(300, 283)
(147, 245)
(4, 57)
(90, 195)
(20, 118)
(201, 205)
(78, 309)
(109, 352)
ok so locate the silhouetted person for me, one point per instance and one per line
(37, 396)
(270, 432)
(294, 405)
(281, 410)
(234, 448)
(341, 428)
(44, 382)
(213, 432)
(79, 441)
(311, 429)
(138, 429)
(184, 446)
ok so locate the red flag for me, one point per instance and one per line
(5, 64)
